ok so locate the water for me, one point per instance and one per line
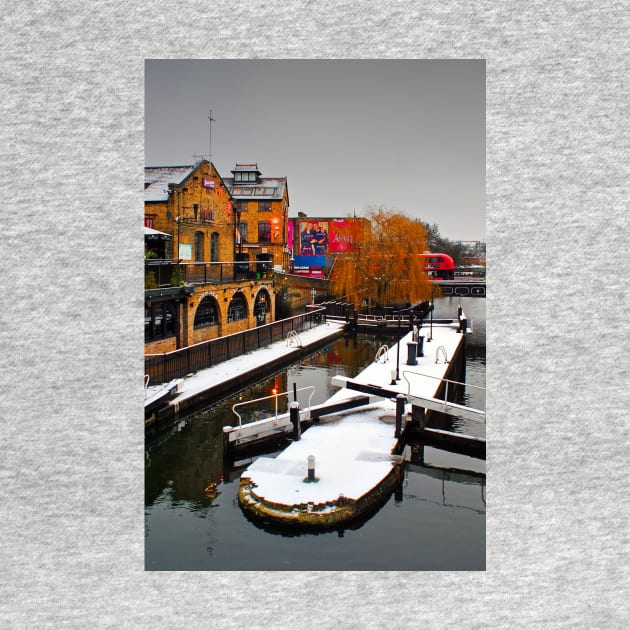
(436, 520)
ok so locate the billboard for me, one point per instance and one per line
(312, 237)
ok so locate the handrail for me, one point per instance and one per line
(437, 352)
(291, 336)
(382, 351)
(256, 400)
(446, 381)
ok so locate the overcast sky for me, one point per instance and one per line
(407, 135)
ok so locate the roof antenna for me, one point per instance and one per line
(211, 120)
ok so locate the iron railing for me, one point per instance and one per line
(164, 367)
(162, 273)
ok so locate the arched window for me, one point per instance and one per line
(198, 246)
(262, 307)
(214, 247)
(237, 309)
(207, 313)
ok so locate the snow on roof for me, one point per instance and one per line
(265, 188)
(245, 167)
(157, 179)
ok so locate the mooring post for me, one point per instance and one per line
(420, 345)
(400, 408)
(311, 468)
(412, 349)
(294, 415)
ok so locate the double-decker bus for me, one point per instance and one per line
(438, 266)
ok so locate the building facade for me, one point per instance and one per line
(261, 208)
(198, 284)
(194, 206)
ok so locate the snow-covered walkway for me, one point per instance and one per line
(208, 378)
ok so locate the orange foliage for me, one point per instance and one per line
(384, 268)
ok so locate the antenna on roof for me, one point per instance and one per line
(211, 120)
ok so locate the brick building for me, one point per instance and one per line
(199, 284)
(261, 206)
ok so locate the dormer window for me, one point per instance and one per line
(245, 177)
(246, 173)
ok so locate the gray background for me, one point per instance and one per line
(71, 459)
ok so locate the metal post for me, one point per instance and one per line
(398, 352)
(294, 414)
(431, 316)
(311, 468)
(400, 408)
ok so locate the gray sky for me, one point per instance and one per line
(408, 135)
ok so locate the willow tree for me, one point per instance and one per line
(383, 266)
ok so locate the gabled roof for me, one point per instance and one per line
(157, 179)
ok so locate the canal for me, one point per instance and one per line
(435, 520)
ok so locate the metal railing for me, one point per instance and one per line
(169, 365)
(274, 396)
(448, 407)
(161, 272)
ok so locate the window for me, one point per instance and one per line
(241, 206)
(214, 247)
(207, 314)
(264, 205)
(264, 232)
(241, 232)
(237, 308)
(159, 321)
(244, 176)
(198, 246)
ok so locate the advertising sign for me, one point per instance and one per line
(313, 237)
(185, 251)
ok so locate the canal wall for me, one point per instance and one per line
(212, 384)
(299, 288)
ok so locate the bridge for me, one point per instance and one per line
(461, 287)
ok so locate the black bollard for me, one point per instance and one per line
(311, 468)
(420, 352)
(412, 353)
(294, 414)
(463, 326)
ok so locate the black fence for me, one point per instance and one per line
(161, 273)
(161, 368)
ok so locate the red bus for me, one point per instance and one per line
(439, 266)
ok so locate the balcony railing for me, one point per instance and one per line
(166, 273)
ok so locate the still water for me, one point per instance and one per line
(435, 521)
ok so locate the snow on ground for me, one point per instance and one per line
(352, 453)
(212, 376)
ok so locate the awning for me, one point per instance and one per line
(151, 234)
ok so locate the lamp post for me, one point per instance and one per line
(398, 351)
(178, 222)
